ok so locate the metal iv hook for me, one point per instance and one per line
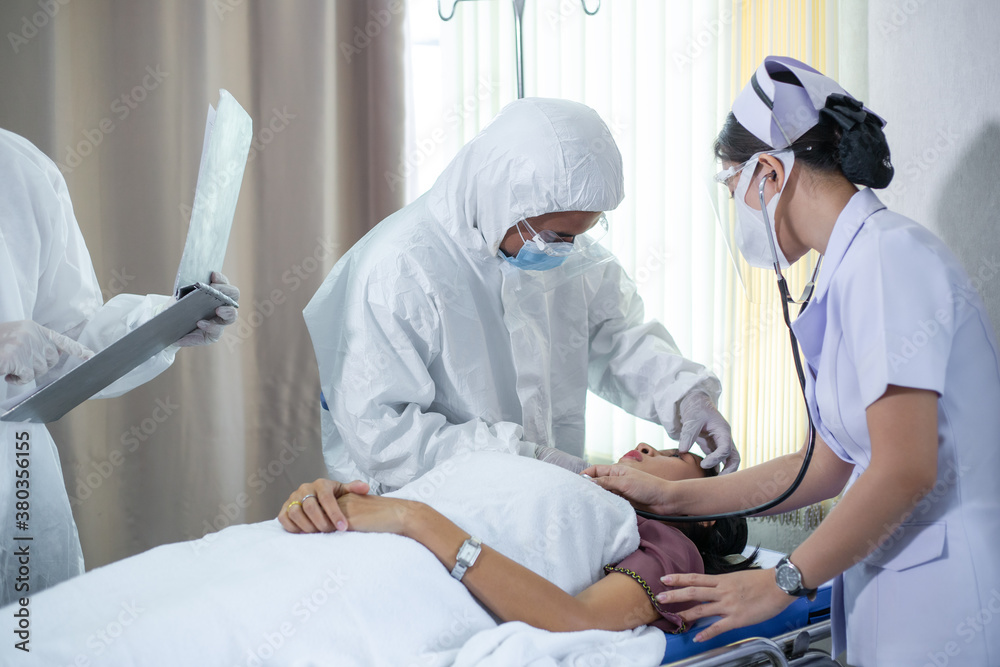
(518, 6)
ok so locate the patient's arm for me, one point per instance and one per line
(511, 591)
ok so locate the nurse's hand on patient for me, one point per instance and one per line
(28, 350)
(701, 422)
(210, 331)
(313, 507)
(646, 492)
(740, 598)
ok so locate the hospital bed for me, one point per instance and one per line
(784, 640)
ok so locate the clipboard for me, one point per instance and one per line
(228, 132)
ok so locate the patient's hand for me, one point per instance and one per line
(646, 492)
(313, 507)
(378, 514)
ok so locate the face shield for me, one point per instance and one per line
(747, 228)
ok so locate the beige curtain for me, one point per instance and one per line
(116, 92)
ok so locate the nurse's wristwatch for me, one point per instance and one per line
(789, 579)
(467, 555)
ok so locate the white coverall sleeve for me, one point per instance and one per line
(382, 396)
(69, 299)
(635, 364)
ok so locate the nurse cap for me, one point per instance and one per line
(783, 100)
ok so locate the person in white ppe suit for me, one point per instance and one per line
(449, 327)
(902, 382)
(51, 309)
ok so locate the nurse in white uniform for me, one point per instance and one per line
(902, 382)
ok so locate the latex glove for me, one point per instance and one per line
(210, 331)
(28, 350)
(560, 458)
(701, 422)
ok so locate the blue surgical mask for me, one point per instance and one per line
(532, 255)
(530, 258)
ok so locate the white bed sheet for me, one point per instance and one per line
(255, 595)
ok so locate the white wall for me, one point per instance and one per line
(934, 74)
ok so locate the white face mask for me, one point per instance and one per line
(751, 226)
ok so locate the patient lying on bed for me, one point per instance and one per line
(623, 599)
(256, 594)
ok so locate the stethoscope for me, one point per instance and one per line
(811, 442)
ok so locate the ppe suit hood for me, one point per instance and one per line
(537, 156)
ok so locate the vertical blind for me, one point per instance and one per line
(663, 76)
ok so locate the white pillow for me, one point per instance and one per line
(554, 522)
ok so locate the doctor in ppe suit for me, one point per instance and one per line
(449, 328)
(51, 309)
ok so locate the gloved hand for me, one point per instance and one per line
(28, 350)
(701, 422)
(560, 458)
(210, 331)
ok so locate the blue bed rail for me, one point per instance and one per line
(797, 615)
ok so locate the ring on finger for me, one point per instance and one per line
(311, 495)
(294, 502)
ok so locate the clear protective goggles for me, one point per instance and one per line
(723, 187)
(555, 245)
(727, 177)
(585, 253)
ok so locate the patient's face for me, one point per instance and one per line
(666, 464)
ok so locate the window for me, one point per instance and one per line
(663, 76)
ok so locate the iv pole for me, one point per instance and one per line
(518, 33)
